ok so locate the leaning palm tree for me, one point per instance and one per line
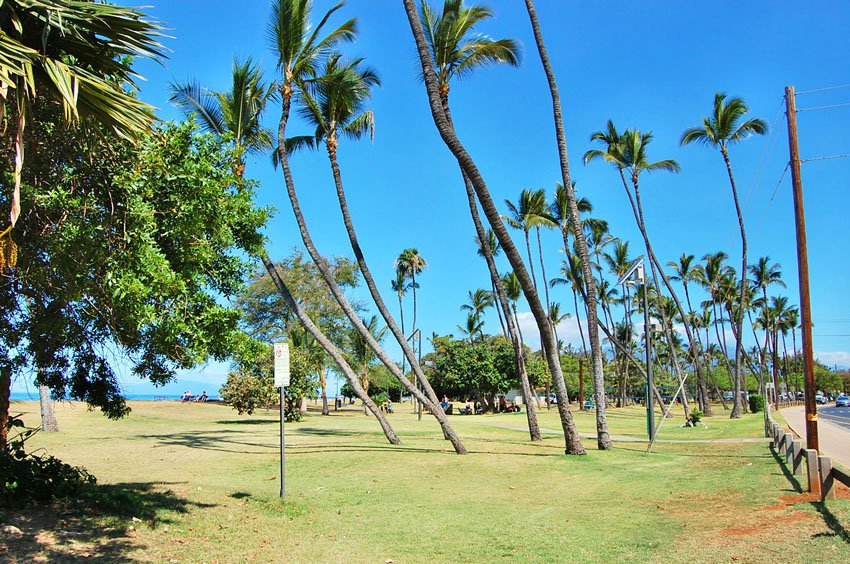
(79, 54)
(299, 49)
(456, 49)
(488, 206)
(603, 440)
(719, 130)
(237, 112)
(410, 263)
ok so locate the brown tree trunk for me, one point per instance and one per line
(603, 439)
(335, 354)
(5, 395)
(571, 436)
(431, 399)
(324, 383)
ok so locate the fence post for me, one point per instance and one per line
(827, 483)
(797, 456)
(812, 470)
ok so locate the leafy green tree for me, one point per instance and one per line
(78, 54)
(722, 128)
(124, 253)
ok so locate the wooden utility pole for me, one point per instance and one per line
(803, 273)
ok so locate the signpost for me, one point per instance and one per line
(281, 380)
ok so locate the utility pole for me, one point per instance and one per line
(803, 273)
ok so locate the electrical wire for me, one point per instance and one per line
(830, 106)
(825, 158)
(822, 89)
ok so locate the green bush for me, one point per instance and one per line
(756, 403)
(695, 418)
(28, 477)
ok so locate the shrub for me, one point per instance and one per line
(695, 418)
(756, 403)
(32, 477)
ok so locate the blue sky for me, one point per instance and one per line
(647, 65)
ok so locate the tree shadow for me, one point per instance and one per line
(99, 526)
(222, 440)
(248, 421)
(831, 521)
(780, 460)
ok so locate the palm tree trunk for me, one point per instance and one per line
(48, 416)
(571, 436)
(705, 401)
(412, 270)
(543, 274)
(431, 399)
(335, 354)
(739, 322)
(603, 439)
(5, 395)
(324, 384)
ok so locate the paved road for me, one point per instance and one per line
(833, 430)
(837, 415)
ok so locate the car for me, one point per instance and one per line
(588, 404)
(842, 401)
(820, 399)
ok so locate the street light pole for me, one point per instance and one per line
(647, 335)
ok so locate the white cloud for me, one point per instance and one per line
(568, 330)
(831, 358)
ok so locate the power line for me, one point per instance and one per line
(825, 158)
(823, 107)
(823, 89)
(775, 190)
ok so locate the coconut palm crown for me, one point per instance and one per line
(724, 126)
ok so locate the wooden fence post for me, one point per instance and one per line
(812, 470)
(789, 449)
(827, 483)
(797, 457)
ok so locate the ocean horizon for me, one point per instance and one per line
(33, 396)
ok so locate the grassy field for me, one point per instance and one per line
(198, 483)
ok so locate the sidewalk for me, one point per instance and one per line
(834, 441)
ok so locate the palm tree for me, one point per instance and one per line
(411, 263)
(559, 211)
(719, 130)
(529, 212)
(491, 246)
(299, 47)
(474, 327)
(467, 164)
(80, 54)
(456, 50)
(400, 285)
(236, 112)
(513, 290)
(479, 301)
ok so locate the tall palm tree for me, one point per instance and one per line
(474, 327)
(299, 48)
(479, 301)
(236, 112)
(491, 247)
(411, 263)
(722, 128)
(559, 211)
(529, 212)
(79, 54)
(400, 285)
(488, 206)
(513, 289)
(456, 49)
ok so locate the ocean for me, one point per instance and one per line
(33, 396)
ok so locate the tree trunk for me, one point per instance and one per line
(739, 322)
(603, 439)
(335, 354)
(571, 436)
(431, 399)
(5, 394)
(48, 417)
(705, 400)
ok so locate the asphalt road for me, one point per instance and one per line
(837, 415)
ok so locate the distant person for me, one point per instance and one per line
(203, 397)
(187, 396)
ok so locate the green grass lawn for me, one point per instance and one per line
(202, 484)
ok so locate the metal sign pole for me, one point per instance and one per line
(281, 380)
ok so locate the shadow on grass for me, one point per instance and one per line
(210, 440)
(780, 461)
(668, 452)
(831, 521)
(97, 527)
(248, 422)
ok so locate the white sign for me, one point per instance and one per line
(281, 365)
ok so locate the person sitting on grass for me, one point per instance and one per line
(203, 397)
(187, 396)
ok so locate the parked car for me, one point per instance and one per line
(588, 404)
(820, 399)
(842, 401)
